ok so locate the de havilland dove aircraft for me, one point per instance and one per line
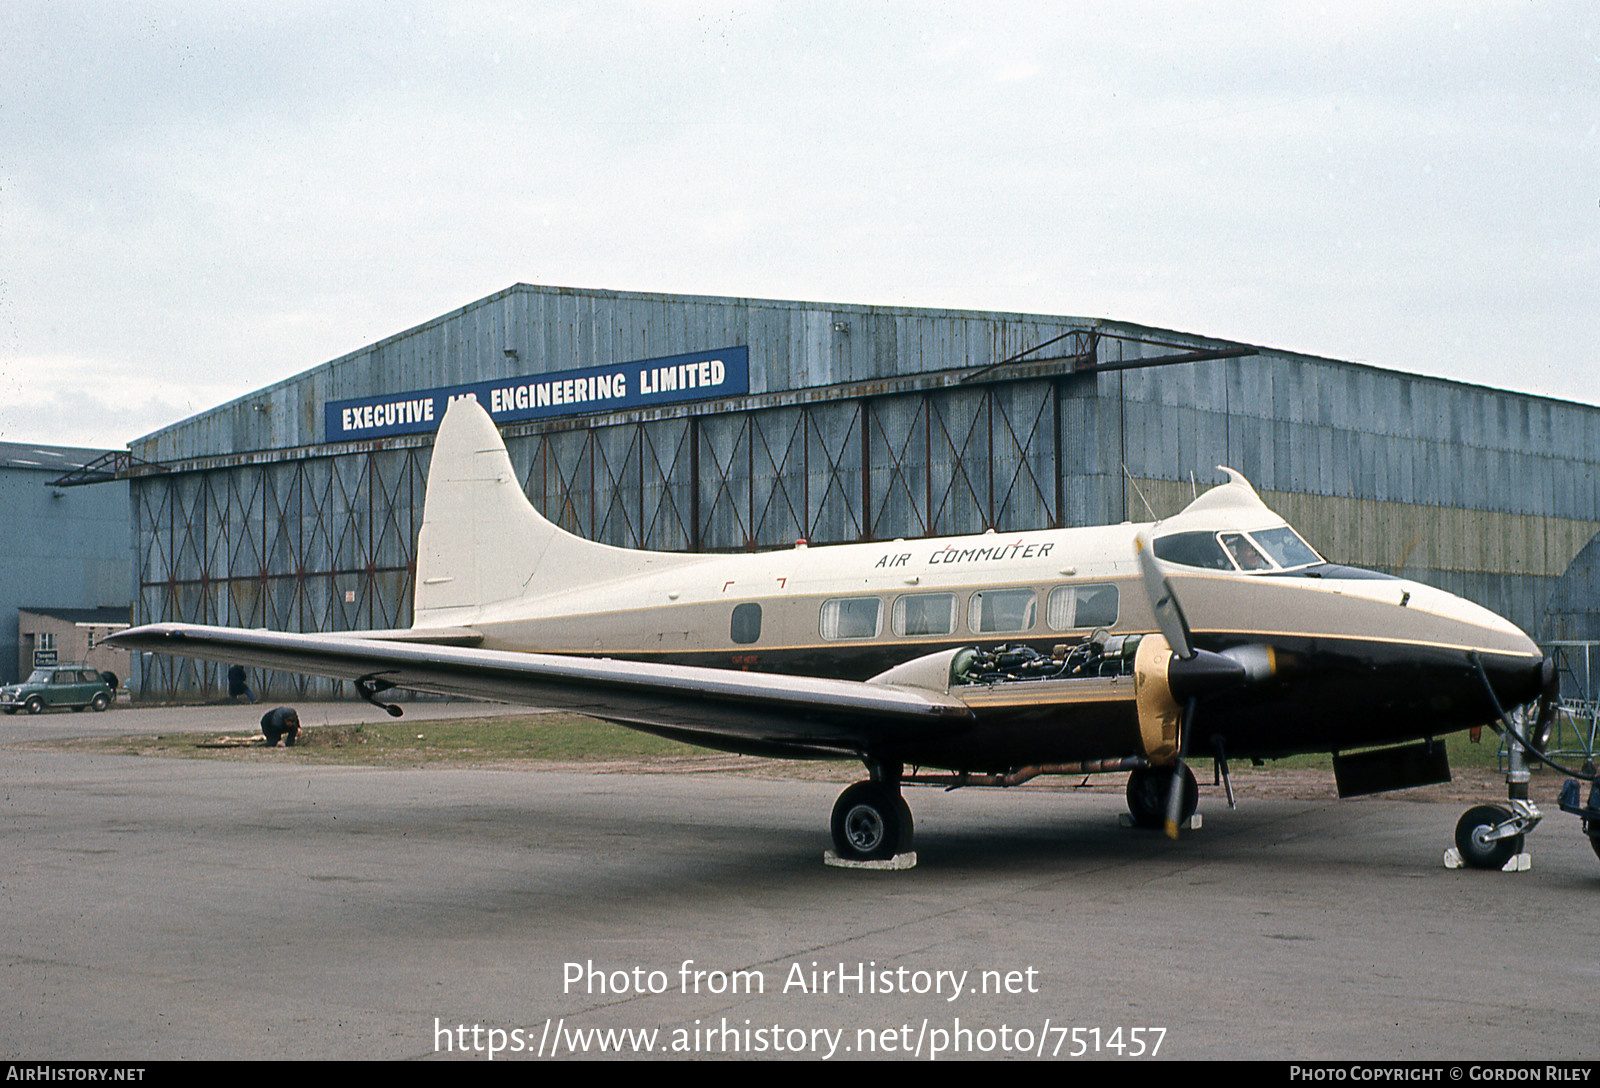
(971, 661)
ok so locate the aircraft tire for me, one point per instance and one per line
(1147, 796)
(870, 823)
(908, 826)
(1594, 841)
(1477, 853)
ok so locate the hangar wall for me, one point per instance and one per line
(61, 547)
(860, 423)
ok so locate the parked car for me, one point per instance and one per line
(76, 686)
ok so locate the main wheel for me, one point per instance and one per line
(1148, 788)
(1594, 841)
(870, 823)
(1478, 852)
(100, 701)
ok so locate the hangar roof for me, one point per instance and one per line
(794, 347)
(26, 455)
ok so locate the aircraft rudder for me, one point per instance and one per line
(483, 543)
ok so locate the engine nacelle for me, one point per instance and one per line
(1163, 683)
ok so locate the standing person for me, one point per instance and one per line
(237, 685)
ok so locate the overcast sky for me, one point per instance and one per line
(199, 199)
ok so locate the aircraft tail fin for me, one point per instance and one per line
(482, 542)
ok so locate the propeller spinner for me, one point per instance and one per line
(1192, 673)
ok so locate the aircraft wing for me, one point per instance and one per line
(755, 713)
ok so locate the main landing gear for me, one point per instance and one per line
(872, 822)
(1148, 790)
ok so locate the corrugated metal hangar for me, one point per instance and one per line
(679, 422)
(60, 549)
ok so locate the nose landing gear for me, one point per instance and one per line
(1490, 836)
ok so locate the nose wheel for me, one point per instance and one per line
(1487, 837)
(871, 822)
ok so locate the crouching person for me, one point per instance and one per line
(280, 722)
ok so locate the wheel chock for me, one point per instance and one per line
(1517, 863)
(907, 860)
(1125, 819)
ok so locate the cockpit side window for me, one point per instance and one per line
(1192, 550)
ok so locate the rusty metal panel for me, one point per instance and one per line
(960, 483)
(833, 472)
(777, 448)
(898, 479)
(725, 482)
(560, 482)
(666, 499)
(1023, 449)
(617, 463)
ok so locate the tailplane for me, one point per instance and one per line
(482, 542)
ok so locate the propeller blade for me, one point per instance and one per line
(1549, 703)
(1175, 792)
(1169, 616)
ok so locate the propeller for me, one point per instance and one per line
(1169, 616)
(1193, 672)
(1549, 703)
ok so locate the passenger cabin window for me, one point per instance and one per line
(995, 610)
(1075, 607)
(924, 614)
(746, 625)
(851, 617)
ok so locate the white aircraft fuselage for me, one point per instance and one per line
(1359, 658)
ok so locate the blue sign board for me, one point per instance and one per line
(645, 383)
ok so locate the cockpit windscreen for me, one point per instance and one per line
(1261, 551)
